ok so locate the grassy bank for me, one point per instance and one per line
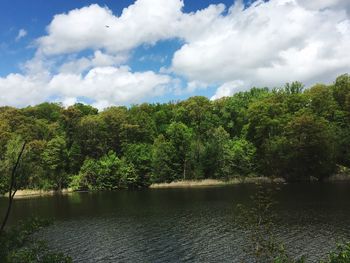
(187, 184)
(214, 182)
(33, 193)
(178, 184)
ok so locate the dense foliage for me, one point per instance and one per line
(283, 132)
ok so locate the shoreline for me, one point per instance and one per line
(28, 193)
(215, 182)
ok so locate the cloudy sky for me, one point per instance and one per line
(120, 52)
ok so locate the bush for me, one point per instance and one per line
(17, 245)
(107, 173)
(341, 255)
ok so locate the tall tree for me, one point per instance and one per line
(179, 135)
(140, 156)
(55, 160)
(91, 135)
(305, 149)
(163, 159)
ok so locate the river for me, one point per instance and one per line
(186, 225)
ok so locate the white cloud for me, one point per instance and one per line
(269, 44)
(99, 59)
(115, 85)
(229, 88)
(266, 44)
(21, 90)
(102, 104)
(104, 85)
(95, 27)
(192, 86)
(69, 101)
(21, 34)
(323, 4)
(144, 22)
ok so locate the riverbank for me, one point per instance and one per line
(342, 176)
(177, 184)
(214, 182)
(188, 184)
(32, 193)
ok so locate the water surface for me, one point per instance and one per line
(186, 225)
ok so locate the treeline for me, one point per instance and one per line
(283, 132)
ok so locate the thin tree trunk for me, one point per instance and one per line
(59, 190)
(12, 190)
(184, 173)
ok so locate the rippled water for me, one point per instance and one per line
(186, 225)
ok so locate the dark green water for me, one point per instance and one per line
(186, 225)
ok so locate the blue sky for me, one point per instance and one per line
(156, 50)
(35, 15)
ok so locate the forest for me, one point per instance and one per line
(289, 132)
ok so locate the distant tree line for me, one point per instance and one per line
(284, 132)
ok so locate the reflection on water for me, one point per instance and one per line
(186, 225)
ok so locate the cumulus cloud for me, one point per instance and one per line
(104, 85)
(228, 89)
(116, 85)
(98, 59)
(325, 4)
(269, 43)
(146, 21)
(101, 76)
(236, 47)
(22, 90)
(69, 101)
(21, 34)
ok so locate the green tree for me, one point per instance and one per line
(233, 111)
(179, 135)
(113, 172)
(196, 113)
(140, 156)
(55, 160)
(321, 101)
(267, 118)
(295, 87)
(115, 119)
(163, 158)
(32, 165)
(305, 149)
(75, 158)
(107, 173)
(341, 91)
(5, 136)
(46, 111)
(70, 119)
(87, 177)
(215, 153)
(91, 135)
(140, 127)
(238, 158)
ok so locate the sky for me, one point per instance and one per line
(123, 52)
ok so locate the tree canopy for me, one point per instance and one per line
(289, 132)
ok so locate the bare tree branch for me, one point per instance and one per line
(12, 190)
